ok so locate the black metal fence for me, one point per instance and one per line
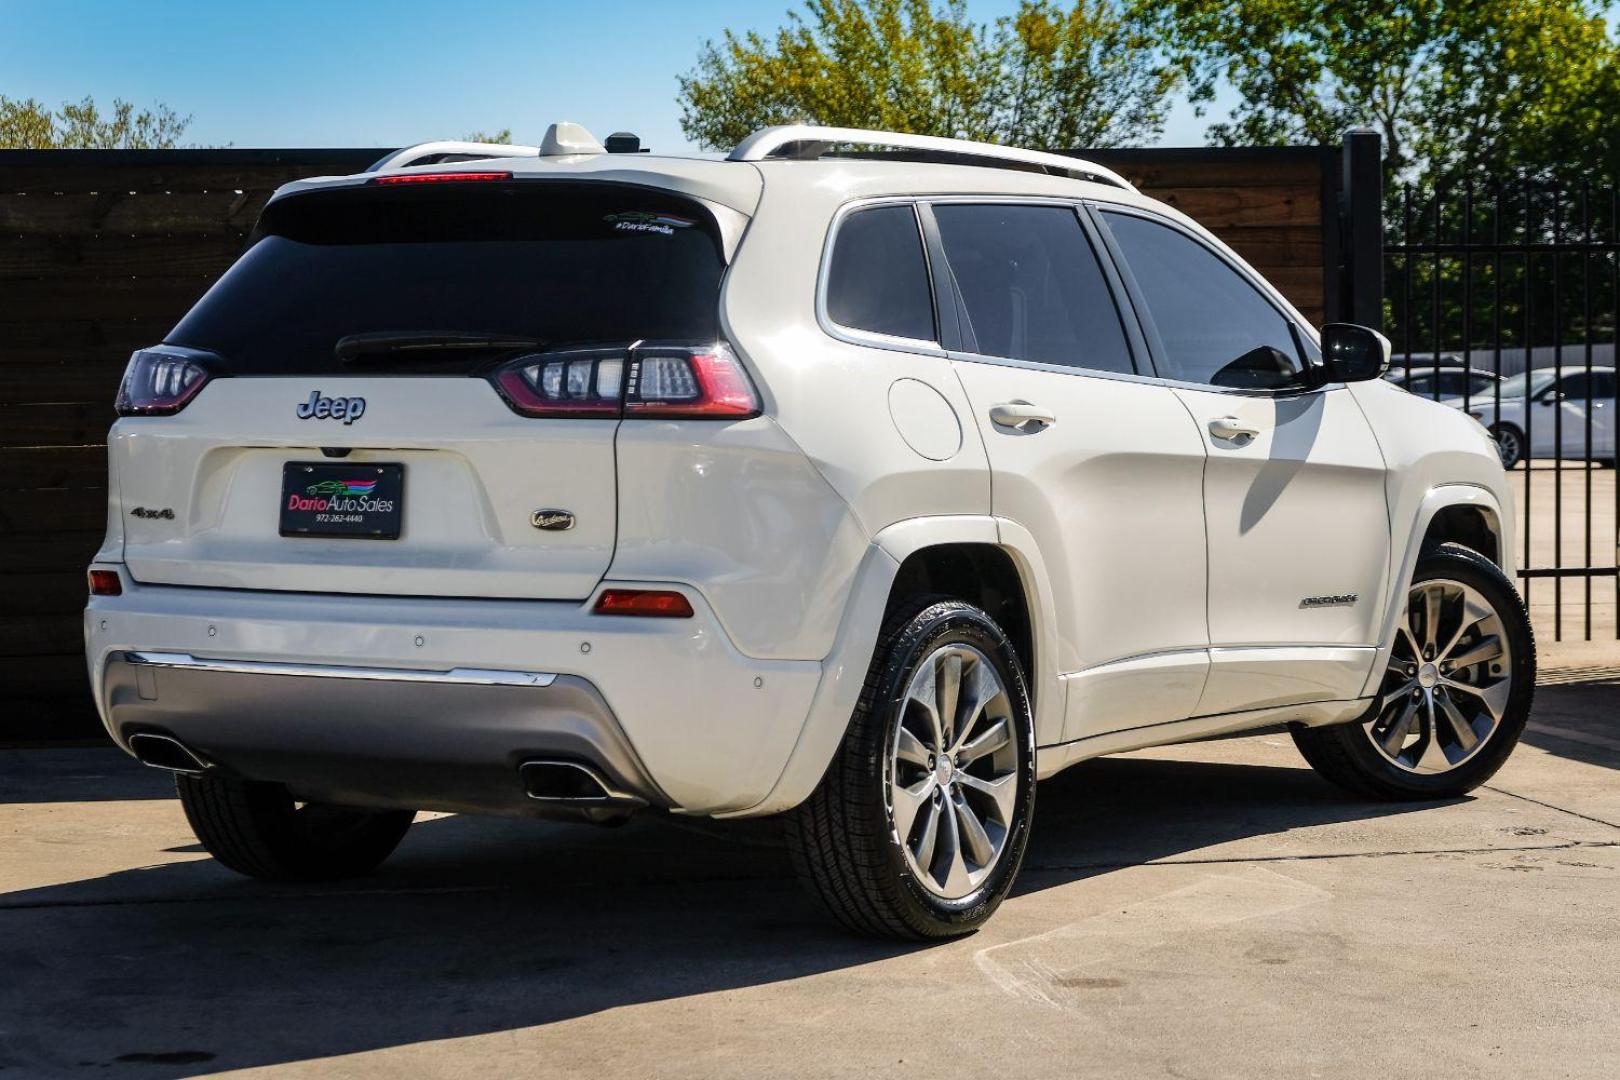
(1502, 299)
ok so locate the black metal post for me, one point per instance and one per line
(1362, 207)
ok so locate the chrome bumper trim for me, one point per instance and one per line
(460, 676)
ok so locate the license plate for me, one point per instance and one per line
(319, 498)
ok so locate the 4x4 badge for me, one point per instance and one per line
(552, 520)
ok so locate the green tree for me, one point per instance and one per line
(30, 125)
(1088, 76)
(1503, 83)
(1045, 76)
(503, 136)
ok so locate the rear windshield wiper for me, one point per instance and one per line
(354, 348)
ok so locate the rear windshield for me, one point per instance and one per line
(556, 263)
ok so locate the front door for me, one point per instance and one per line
(1102, 471)
(1294, 502)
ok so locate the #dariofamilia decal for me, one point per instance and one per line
(646, 221)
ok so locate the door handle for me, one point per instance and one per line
(1230, 427)
(1021, 416)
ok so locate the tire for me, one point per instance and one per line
(1509, 444)
(1426, 755)
(846, 839)
(257, 829)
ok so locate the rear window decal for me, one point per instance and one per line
(643, 221)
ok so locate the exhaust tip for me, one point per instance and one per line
(572, 783)
(165, 752)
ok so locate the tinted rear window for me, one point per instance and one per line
(560, 264)
(879, 280)
(1032, 286)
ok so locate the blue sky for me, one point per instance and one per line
(371, 73)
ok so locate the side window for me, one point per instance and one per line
(878, 280)
(1215, 327)
(1032, 286)
(1575, 386)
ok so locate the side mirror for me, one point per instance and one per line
(1352, 353)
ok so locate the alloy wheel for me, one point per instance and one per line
(1507, 444)
(1448, 682)
(952, 775)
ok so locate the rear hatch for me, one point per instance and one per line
(351, 434)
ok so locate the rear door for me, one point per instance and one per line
(355, 352)
(1100, 467)
(1294, 492)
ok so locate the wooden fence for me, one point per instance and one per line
(101, 252)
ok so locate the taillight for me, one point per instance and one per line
(105, 583)
(159, 382)
(440, 178)
(649, 381)
(585, 383)
(648, 603)
(689, 384)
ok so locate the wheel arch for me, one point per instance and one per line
(1471, 524)
(989, 560)
(1463, 513)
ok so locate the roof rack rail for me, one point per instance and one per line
(437, 153)
(809, 142)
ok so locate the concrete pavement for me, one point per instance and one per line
(1206, 911)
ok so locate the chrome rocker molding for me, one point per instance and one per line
(461, 676)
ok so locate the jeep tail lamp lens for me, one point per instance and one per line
(586, 383)
(647, 382)
(648, 603)
(105, 583)
(689, 384)
(159, 382)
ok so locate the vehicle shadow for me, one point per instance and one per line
(1576, 720)
(483, 926)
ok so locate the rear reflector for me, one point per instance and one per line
(654, 603)
(105, 583)
(160, 382)
(441, 178)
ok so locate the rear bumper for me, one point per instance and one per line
(433, 704)
(376, 736)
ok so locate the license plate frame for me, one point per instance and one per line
(337, 501)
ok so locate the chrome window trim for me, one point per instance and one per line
(855, 335)
(851, 336)
(460, 676)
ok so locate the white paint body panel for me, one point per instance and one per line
(1162, 579)
(1297, 510)
(474, 472)
(1112, 495)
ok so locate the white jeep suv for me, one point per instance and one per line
(863, 490)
